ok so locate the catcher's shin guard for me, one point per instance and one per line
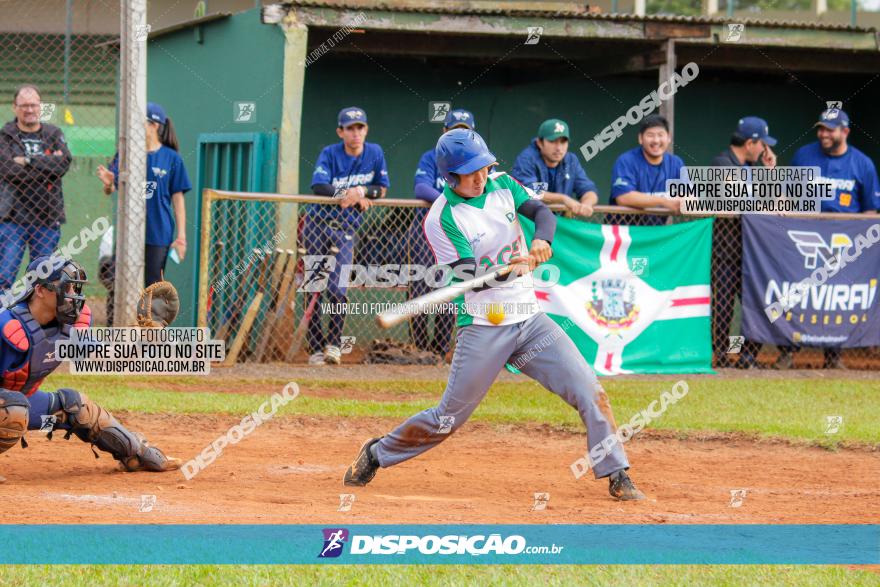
(92, 423)
(13, 418)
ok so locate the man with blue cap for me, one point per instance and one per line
(353, 172)
(428, 186)
(856, 188)
(750, 145)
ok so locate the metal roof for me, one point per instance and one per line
(526, 9)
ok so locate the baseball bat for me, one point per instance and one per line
(286, 321)
(280, 306)
(273, 293)
(250, 315)
(419, 305)
(237, 302)
(300, 332)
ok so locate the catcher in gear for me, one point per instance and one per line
(45, 312)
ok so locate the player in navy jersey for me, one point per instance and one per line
(550, 169)
(167, 182)
(353, 172)
(638, 178)
(856, 189)
(428, 185)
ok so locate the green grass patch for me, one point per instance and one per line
(215, 575)
(792, 409)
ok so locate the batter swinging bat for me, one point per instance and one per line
(423, 303)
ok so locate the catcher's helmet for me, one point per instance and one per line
(461, 151)
(63, 276)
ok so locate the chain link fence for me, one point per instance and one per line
(58, 91)
(251, 287)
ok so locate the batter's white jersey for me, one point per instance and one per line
(487, 229)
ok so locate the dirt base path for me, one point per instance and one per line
(290, 470)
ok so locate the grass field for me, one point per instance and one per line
(673, 576)
(793, 410)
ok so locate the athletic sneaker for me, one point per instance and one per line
(317, 359)
(364, 467)
(333, 355)
(620, 486)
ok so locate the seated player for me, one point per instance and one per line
(477, 217)
(44, 313)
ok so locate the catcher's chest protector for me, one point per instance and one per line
(39, 348)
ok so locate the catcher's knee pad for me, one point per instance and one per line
(14, 409)
(92, 423)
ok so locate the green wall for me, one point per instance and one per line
(239, 60)
(509, 104)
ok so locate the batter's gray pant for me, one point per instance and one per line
(541, 350)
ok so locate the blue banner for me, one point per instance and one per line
(441, 544)
(810, 281)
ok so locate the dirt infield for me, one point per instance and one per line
(289, 471)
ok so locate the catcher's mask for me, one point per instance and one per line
(66, 278)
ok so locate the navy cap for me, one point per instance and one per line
(833, 118)
(752, 127)
(156, 113)
(47, 268)
(352, 115)
(460, 117)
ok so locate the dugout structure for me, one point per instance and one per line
(394, 59)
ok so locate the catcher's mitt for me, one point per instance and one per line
(158, 306)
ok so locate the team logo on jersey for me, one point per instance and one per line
(334, 540)
(476, 240)
(613, 304)
(511, 216)
(620, 181)
(812, 246)
(159, 172)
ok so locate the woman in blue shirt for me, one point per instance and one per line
(167, 181)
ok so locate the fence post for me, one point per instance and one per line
(131, 214)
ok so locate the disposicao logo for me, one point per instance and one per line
(334, 540)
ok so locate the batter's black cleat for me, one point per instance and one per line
(621, 487)
(364, 467)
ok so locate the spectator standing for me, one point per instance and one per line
(750, 145)
(33, 160)
(353, 172)
(167, 182)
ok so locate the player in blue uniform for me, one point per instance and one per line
(46, 312)
(638, 178)
(353, 172)
(428, 186)
(548, 168)
(167, 182)
(856, 189)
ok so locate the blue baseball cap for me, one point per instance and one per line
(460, 117)
(156, 113)
(752, 127)
(352, 115)
(833, 118)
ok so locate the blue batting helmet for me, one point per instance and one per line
(461, 151)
